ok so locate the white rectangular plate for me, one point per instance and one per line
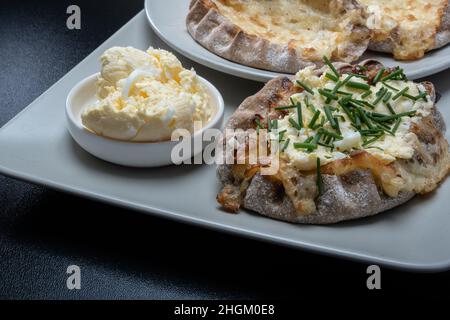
(36, 146)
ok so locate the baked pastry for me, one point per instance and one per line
(280, 35)
(408, 28)
(354, 141)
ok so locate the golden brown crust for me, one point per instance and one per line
(214, 31)
(358, 186)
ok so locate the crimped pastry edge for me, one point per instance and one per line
(222, 37)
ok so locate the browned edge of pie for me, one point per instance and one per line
(219, 35)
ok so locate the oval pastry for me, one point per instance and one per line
(280, 35)
(354, 141)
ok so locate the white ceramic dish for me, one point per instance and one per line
(169, 24)
(36, 146)
(155, 154)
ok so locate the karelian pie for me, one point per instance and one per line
(354, 141)
(408, 28)
(280, 35)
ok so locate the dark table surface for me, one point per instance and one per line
(123, 254)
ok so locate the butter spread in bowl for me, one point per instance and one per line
(145, 96)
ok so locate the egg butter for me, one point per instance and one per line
(145, 96)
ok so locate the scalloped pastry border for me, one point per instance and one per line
(219, 35)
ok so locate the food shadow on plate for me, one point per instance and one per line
(95, 164)
(392, 216)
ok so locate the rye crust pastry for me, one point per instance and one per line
(408, 28)
(360, 183)
(280, 35)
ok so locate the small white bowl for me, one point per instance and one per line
(132, 154)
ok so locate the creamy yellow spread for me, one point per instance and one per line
(387, 147)
(314, 28)
(414, 23)
(145, 96)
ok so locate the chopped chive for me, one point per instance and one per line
(341, 83)
(309, 140)
(358, 85)
(314, 119)
(322, 121)
(366, 94)
(397, 124)
(364, 118)
(304, 145)
(308, 105)
(344, 93)
(371, 131)
(319, 178)
(389, 106)
(285, 107)
(371, 141)
(317, 138)
(381, 149)
(376, 114)
(330, 65)
(338, 129)
(294, 124)
(360, 76)
(380, 94)
(368, 104)
(409, 96)
(281, 135)
(400, 93)
(357, 120)
(395, 74)
(387, 97)
(381, 91)
(305, 87)
(422, 95)
(299, 115)
(328, 95)
(384, 127)
(329, 116)
(332, 108)
(396, 116)
(286, 144)
(370, 134)
(378, 76)
(390, 87)
(363, 103)
(331, 77)
(348, 112)
(330, 134)
(339, 92)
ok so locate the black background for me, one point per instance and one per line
(123, 254)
